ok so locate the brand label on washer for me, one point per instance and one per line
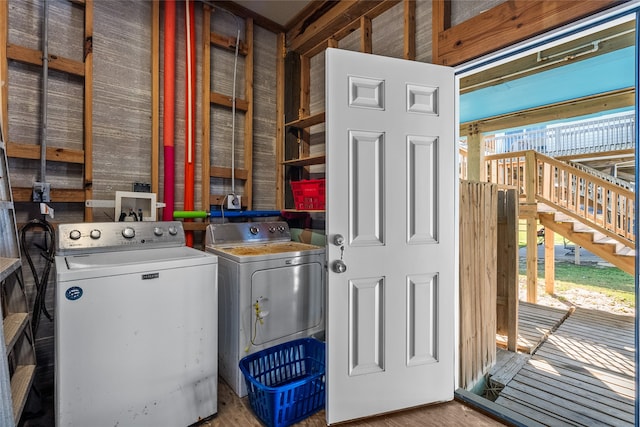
(150, 276)
(73, 293)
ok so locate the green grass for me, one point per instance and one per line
(609, 281)
(522, 235)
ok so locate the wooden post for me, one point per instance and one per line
(532, 227)
(549, 261)
(474, 154)
(507, 265)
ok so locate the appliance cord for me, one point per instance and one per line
(41, 282)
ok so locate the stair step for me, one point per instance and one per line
(626, 251)
(20, 385)
(13, 326)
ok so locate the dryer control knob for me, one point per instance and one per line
(272, 229)
(173, 230)
(128, 233)
(95, 234)
(158, 231)
(281, 228)
(254, 230)
(74, 235)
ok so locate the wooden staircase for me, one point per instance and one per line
(590, 211)
(599, 244)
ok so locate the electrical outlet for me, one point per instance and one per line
(42, 192)
(234, 201)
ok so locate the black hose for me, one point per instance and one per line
(47, 252)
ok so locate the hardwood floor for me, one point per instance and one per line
(233, 411)
(236, 412)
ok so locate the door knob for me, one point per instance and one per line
(339, 266)
(338, 240)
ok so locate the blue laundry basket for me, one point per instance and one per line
(286, 383)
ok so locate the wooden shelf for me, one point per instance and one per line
(20, 385)
(308, 121)
(8, 266)
(306, 161)
(13, 326)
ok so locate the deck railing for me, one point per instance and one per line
(587, 136)
(589, 199)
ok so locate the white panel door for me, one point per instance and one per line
(391, 221)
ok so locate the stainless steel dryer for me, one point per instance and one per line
(270, 289)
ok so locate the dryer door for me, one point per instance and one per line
(286, 301)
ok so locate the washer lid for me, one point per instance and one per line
(115, 259)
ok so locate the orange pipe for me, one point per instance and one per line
(168, 123)
(190, 108)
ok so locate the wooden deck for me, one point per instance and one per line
(535, 323)
(582, 374)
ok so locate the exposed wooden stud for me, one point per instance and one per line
(227, 101)
(32, 151)
(440, 21)
(409, 30)
(58, 195)
(205, 191)
(280, 84)
(4, 67)
(342, 32)
(88, 107)
(505, 24)
(228, 43)
(225, 172)
(325, 26)
(155, 96)
(305, 86)
(248, 121)
(34, 57)
(366, 44)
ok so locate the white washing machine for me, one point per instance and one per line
(135, 326)
(271, 290)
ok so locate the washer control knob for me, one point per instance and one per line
(173, 230)
(158, 231)
(254, 230)
(74, 235)
(128, 233)
(95, 234)
(281, 228)
(272, 229)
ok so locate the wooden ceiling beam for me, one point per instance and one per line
(505, 24)
(338, 21)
